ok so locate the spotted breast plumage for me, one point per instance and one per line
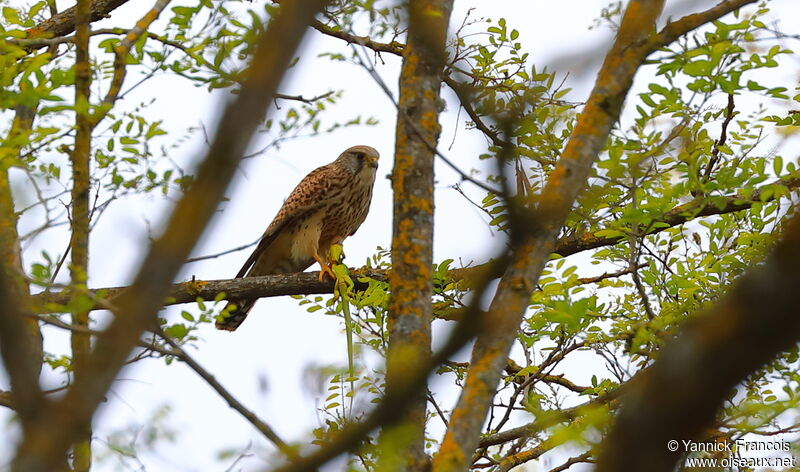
(326, 207)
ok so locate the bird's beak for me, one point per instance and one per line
(372, 161)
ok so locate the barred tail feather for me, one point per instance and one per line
(237, 316)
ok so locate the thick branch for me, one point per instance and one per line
(675, 29)
(532, 250)
(304, 283)
(6, 400)
(411, 279)
(678, 397)
(16, 348)
(79, 221)
(708, 206)
(20, 338)
(307, 283)
(63, 23)
(138, 306)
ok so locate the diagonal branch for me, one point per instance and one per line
(463, 93)
(532, 250)
(392, 48)
(7, 400)
(675, 29)
(63, 23)
(181, 354)
(551, 418)
(677, 399)
(121, 53)
(46, 444)
(259, 424)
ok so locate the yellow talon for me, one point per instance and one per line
(324, 268)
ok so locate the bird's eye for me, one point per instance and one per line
(360, 155)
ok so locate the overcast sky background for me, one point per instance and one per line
(265, 363)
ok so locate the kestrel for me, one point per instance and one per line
(328, 205)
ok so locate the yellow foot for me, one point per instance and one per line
(324, 268)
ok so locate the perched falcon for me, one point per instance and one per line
(327, 206)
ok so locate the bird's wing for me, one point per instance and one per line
(312, 193)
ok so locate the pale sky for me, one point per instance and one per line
(265, 363)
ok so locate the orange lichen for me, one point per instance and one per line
(194, 287)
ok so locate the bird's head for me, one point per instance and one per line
(358, 158)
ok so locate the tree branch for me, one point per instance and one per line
(260, 425)
(42, 448)
(411, 279)
(307, 283)
(532, 250)
(16, 348)
(585, 457)
(513, 460)
(680, 394)
(7, 400)
(63, 23)
(121, 53)
(551, 418)
(675, 29)
(20, 338)
(80, 220)
(392, 48)
(462, 91)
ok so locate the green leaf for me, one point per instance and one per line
(177, 331)
(777, 165)
(698, 68)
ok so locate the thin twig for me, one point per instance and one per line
(394, 48)
(723, 136)
(223, 253)
(260, 425)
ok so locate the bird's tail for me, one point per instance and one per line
(236, 316)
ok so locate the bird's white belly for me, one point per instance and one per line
(306, 242)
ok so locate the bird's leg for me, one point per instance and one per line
(324, 268)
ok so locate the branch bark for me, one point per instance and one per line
(307, 283)
(79, 221)
(411, 279)
(7, 400)
(680, 394)
(15, 342)
(121, 53)
(530, 254)
(64, 23)
(20, 336)
(675, 29)
(44, 444)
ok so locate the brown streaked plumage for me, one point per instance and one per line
(328, 205)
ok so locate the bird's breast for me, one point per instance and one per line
(307, 235)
